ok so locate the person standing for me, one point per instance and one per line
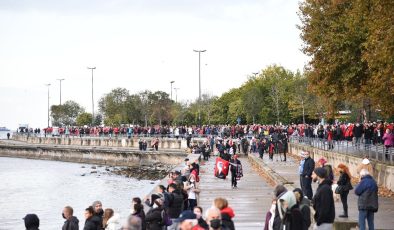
(309, 166)
(388, 139)
(345, 186)
(98, 213)
(301, 167)
(304, 206)
(236, 170)
(323, 201)
(31, 222)
(91, 222)
(368, 204)
(71, 223)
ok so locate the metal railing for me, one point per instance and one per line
(376, 152)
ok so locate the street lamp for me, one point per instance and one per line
(60, 81)
(255, 74)
(199, 83)
(176, 95)
(92, 68)
(171, 82)
(48, 102)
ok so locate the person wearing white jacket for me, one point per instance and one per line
(111, 219)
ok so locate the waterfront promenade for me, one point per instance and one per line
(250, 201)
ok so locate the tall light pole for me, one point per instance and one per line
(176, 95)
(48, 103)
(60, 81)
(199, 83)
(171, 82)
(92, 68)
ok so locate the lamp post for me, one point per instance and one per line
(171, 82)
(60, 81)
(48, 103)
(92, 68)
(176, 95)
(199, 83)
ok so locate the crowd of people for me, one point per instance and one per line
(292, 209)
(170, 207)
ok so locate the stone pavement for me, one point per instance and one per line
(250, 200)
(384, 218)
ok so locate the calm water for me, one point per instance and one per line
(45, 187)
(3, 134)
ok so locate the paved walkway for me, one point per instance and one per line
(250, 200)
(383, 219)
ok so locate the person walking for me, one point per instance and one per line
(236, 170)
(309, 166)
(368, 204)
(323, 201)
(72, 222)
(344, 186)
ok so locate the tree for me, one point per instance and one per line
(352, 52)
(84, 119)
(65, 114)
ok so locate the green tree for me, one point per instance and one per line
(65, 114)
(84, 119)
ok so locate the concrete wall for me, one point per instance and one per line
(384, 174)
(103, 142)
(92, 156)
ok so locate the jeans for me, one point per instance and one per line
(192, 204)
(365, 214)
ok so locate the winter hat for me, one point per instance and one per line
(31, 220)
(320, 172)
(322, 161)
(365, 161)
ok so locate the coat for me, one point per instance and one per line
(309, 166)
(388, 139)
(175, 207)
(71, 224)
(113, 222)
(227, 215)
(367, 192)
(323, 203)
(92, 224)
(153, 219)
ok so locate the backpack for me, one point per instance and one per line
(165, 218)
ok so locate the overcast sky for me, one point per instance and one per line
(137, 45)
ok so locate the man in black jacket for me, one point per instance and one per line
(309, 166)
(323, 201)
(98, 213)
(71, 222)
(175, 207)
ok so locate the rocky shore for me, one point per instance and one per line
(152, 172)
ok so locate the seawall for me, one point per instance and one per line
(164, 143)
(383, 173)
(92, 155)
